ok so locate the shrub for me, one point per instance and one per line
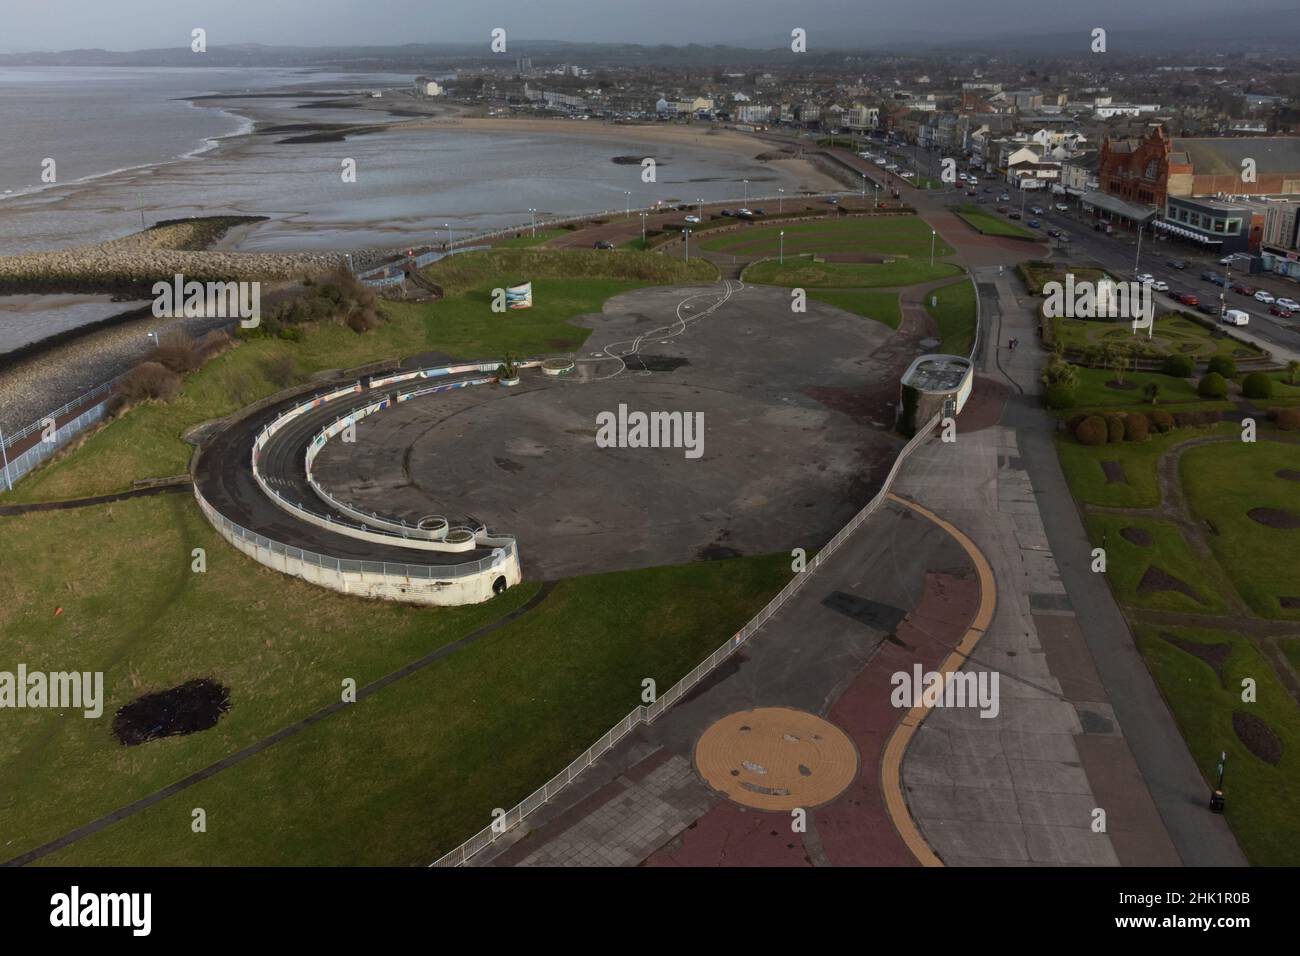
(1091, 431)
(291, 334)
(1178, 366)
(1196, 417)
(1212, 385)
(1059, 372)
(1136, 428)
(147, 380)
(1160, 420)
(1257, 385)
(177, 352)
(281, 371)
(1059, 396)
(1114, 428)
(1288, 419)
(1224, 365)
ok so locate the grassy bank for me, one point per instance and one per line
(990, 224)
(954, 310)
(883, 307)
(806, 274)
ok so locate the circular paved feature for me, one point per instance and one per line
(776, 758)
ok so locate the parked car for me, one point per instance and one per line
(1242, 289)
(1227, 260)
(1033, 224)
(759, 212)
(1002, 209)
(1207, 308)
(1036, 210)
(1266, 297)
(1053, 233)
(1013, 215)
(1176, 263)
(1280, 312)
(1209, 275)
(1062, 207)
(1187, 298)
(834, 200)
(1160, 285)
(1291, 305)
(1145, 277)
(1234, 317)
(1005, 197)
(603, 244)
(693, 219)
(731, 214)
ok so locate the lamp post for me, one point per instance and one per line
(627, 202)
(864, 186)
(449, 239)
(780, 199)
(643, 215)
(933, 235)
(746, 192)
(154, 335)
(4, 453)
(686, 235)
(1137, 256)
(781, 236)
(533, 215)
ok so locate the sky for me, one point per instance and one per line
(27, 25)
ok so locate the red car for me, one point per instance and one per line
(1279, 311)
(1186, 298)
(1242, 289)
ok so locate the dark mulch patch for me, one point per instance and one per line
(1122, 386)
(1216, 655)
(193, 706)
(654, 363)
(1288, 474)
(866, 406)
(1139, 536)
(1114, 472)
(1158, 579)
(716, 552)
(1274, 518)
(1289, 602)
(1258, 737)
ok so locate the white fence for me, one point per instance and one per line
(16, 467)
(644, 715)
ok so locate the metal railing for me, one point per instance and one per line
(643, 714)
(18, 466)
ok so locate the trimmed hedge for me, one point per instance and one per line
(1059, 396)
(1136, 428)
(1224, 365)
(1212, 385)
(1257, 385)
(1091, 431)
(1114, 428)
(1178, 366)
(1160, 420)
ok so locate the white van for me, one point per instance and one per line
(1235, 317)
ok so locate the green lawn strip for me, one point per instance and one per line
(806, 274)
(146, 441)
(134, 609)
(1290, 647)
(1223, 483)
(410, 773)
(1260, 796)
(991, 225)
(954, 311)
(1093, 390)
(527, 239)
(1172, 333)
(898, 235)
(880, 306)
(1171, 407)
(1083, 470)
(1126, 563)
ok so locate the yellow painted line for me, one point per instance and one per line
(891, 766)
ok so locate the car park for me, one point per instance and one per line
(1266, 297)
(1291, 305)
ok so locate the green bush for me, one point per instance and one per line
(1160, 420)
(1224, 365)
(1059, 396)
(1178, 366)
(1092, 431)
(1212, 385)
(1114, 428)
(1257, 385)
(1136, 427)
(1198, 416)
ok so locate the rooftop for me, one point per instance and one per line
(937, 373)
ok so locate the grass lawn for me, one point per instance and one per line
(1223, 482)
(1093, 391)
(806, 274)
(146, 442)
(1127, 562)
(1083, 471)
(1260, 796)
(991, 224)
(527, 239)
(887, 235)
(398, 779)
(955, 313)
(1172, 333)
(880, 306)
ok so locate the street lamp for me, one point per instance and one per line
(533, 214)
(933, 234)
(449, 239)
(643, 215)
(686, 235)
(780, 199)
(864, 186)
(746, 192)
(1137, 257)
(627, 193)
(154, 336)
(781, 236)
(877, 185)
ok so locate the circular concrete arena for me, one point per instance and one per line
(797, 419)
(776, 758)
